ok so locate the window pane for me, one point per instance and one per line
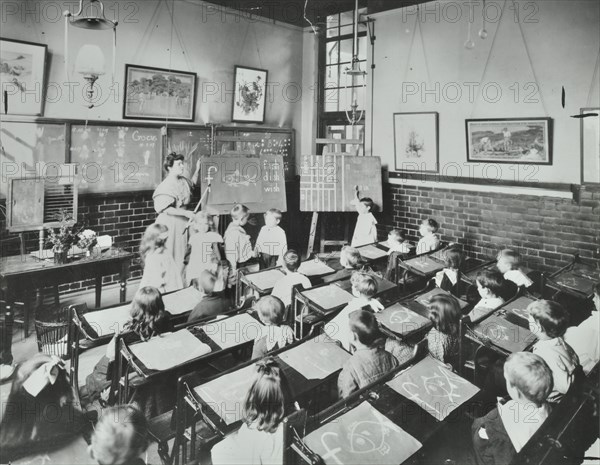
(345, 51)
(344, 30)
(333, 50)
(333, 21)
(331, 99)
(347, 18)
(332, 76)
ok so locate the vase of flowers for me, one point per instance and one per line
(87, 240)
(63, 238)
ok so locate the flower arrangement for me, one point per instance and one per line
(87, 239)
(64, 238)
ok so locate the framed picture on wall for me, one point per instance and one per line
(416, 141)
(590, 146)
(22, 77)
(155, 93)
(510, 140)
(250, 95)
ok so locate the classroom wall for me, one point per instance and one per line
(204, 39)
(434, 74)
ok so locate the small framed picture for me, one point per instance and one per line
(416, 141)
(22, 77)
(510, 140)
(250, 95)
(590, 146)
(157, 94)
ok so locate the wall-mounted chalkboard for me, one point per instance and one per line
(260, 142)
(116, 158)
(257, 182)
(25, 144)
(327, 182)
(193, 144)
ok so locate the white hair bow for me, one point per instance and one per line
(44, 375)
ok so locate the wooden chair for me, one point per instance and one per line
(6, 333)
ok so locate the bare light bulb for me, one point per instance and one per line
(483, 34)
(470, 44)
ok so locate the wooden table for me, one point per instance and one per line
(20, 275)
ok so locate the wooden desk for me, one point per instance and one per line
(19, 275)
(577, 279)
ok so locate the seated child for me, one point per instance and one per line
(365, 231)
(369, 361)
(40, 413)
(120, 437)
(364, 288)
(397, 242)
(259, 441)
(502, 433)
(548, 320)
(508, 262)
(148, 318)
(283, 288)
(490, 284)
(449, 277)
(204, 245)
(584, 339)
(238, 248)
(271, 243)
(276, 334)
(429, 240)
(160, 270)
(212, 303)
(351, 260)
(443, 339)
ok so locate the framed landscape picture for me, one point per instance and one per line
(590, 146)
(250, 95)
(510, 140)
(22, 77)
(155, 93)
(416, 142)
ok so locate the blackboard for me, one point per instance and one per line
(116, 158)
(193, 144)
(257, 182)
(260, 142)
(26, 143)
(327, 182)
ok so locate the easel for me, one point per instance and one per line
(331, 147)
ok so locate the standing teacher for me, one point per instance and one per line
(170, 199)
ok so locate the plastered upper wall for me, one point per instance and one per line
(439, 74)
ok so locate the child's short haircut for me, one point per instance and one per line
(551, 316)
(276, 212)
(364, 283)
(492, 280)
(206, 282)
(431, 224)
(510, 256)
(454, 258)
(368, 202)
(397, 234)
(120, 436)
(239, 211)
(444, 313)
(292, 260)
(364, 324)
(530, 375)
(271, 309)
(352, 256)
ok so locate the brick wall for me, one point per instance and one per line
(546, 230)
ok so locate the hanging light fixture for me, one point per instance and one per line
(90, 59)
(353, 74)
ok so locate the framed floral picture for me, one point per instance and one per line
(416, 142)
(22, 77)
(250, 95)
(510, 140)
(590, 146)
(155, 93)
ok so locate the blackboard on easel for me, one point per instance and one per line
(257, 182)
